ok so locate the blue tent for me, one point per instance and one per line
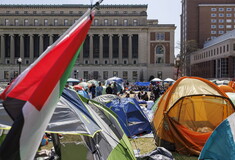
(221, 143)
(142, 83)
(130, 116)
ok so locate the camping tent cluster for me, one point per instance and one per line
(130, 115)
(187, 114)
(97, 125)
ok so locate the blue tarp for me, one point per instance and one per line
(130, 116)
(142, 83)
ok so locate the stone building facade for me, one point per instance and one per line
(121, 42)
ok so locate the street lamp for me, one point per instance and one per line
(75, 73)
(177, 63)
(19, 61)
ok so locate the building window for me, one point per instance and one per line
(115, 22)
(66, 22)
(124, 12)
(221, 21)
(229, 26)
(45, 22)
(52, 12)
(125, 22)
(115, 61)
(107, 12)
(86, 62)
(105, 62)
(85, 75)
(115, 73)
(221, 9)
(160, 36)
(106, 22)
(96, 22)
(105, 74)
(16, 22)
(221, 26)
(213, 20)
(234, 47)
(221, 32)
(124, 62)
(6, 75)
(61, 12)
(228, 15)
(213, 9)
(70, 12)
(134, 75)
(135, 22)
(34, 12)
(134, 62)
(125, 75)
(26, 22)
(213, 26)
(228, 9)
(36, 22)
(213, 32)
(25, 12)
(213, 15)
(96, 62)
(16, 12)
(228, 20)
(56, 22)
(7, 22)
(221, 15)
(159, 49)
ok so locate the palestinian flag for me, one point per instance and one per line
(31, 98)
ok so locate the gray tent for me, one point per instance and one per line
(102, 135)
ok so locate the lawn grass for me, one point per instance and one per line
(145, 145)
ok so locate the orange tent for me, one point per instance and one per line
(226, 88)
(188, 112)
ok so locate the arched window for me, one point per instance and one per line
(159, 50)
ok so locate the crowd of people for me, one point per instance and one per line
(146, 93)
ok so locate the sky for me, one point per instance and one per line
(166, 11)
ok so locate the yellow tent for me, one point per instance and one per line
(187, 114)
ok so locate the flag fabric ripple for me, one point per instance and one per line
(31, 98)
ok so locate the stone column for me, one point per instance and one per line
(31, 47)
(91, 50)
(40, 44)
(50, 39)
(110, 49)
(12, 49)
(130, 49)
(101, 49)
(120, 49)
(3, 49)
(22, 46)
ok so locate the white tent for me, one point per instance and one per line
(156, 80)
(169, 80)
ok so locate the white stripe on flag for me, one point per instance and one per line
(35, 124)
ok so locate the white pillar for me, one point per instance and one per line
(110, 48)
(91, 50)
(50, 39)
(130, 49)
(120, 49)
(40, 44)
(22, 46)
(101, 49)
(2, 49)
(12, 49)
(31, 46)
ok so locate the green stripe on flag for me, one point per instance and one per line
(68, 71)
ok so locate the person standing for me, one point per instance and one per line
(115, 89)
(109, 89)
(99, 89)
